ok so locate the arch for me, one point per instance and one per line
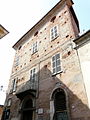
(59, 100)
(27, 98)
(27, 108)
(28, 104)
(61, 87)
(59, 104)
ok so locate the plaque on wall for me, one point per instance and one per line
(40, 111)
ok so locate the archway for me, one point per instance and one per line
(27, 110)
(60, 105)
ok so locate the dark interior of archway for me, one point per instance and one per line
(27, 113)
(60, 101)
(28, 104)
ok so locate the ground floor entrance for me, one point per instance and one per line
(27, 115)
(27, 109)
(61, 116)
(60, 105)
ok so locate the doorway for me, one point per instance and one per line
(27, 111)
(27, 115)
(60, 105)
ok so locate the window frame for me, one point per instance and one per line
(14, 85)
(9, 102)
(16, 61)
(60, 65)
(53, 28)
(34, 47)
(33, 73)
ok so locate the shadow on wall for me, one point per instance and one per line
(49, 87)
(53, 97)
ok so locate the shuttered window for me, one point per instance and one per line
(33, 75)
(14, 85)
(56, 64)
(9, 102)
(54, 32)
(34, 47)
(16, 61)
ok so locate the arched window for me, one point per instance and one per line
(59, 105)
(60, 101)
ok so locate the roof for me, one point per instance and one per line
(3, 31)
(77, 40)
(82, 39)
(42, 20)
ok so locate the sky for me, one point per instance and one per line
(18, 16)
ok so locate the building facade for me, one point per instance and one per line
(83, 51)
(46, 82)
(3, 32)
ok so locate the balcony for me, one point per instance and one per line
(26, 88)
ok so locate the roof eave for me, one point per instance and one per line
(70, 2)
(84, 38)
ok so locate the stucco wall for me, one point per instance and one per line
(84, 56)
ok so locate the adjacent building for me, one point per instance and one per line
(83, 51)
(46, 82)
(3, 31)
(1, 110)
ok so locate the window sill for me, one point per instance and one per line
(54, 74)
(54, 38)
(34, 53)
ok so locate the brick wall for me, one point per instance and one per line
(71, 77)
(1, 111)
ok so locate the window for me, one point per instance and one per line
(59, 105)
(6, 114)
(52, 20)
(36, 33)
(56, 64)
(16, 61)
(9, 102)
(14, 85)
(54, 32)
(34, 48)
(33, 75)
(19, 47)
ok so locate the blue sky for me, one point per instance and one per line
(82, 9)
(18, 16)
